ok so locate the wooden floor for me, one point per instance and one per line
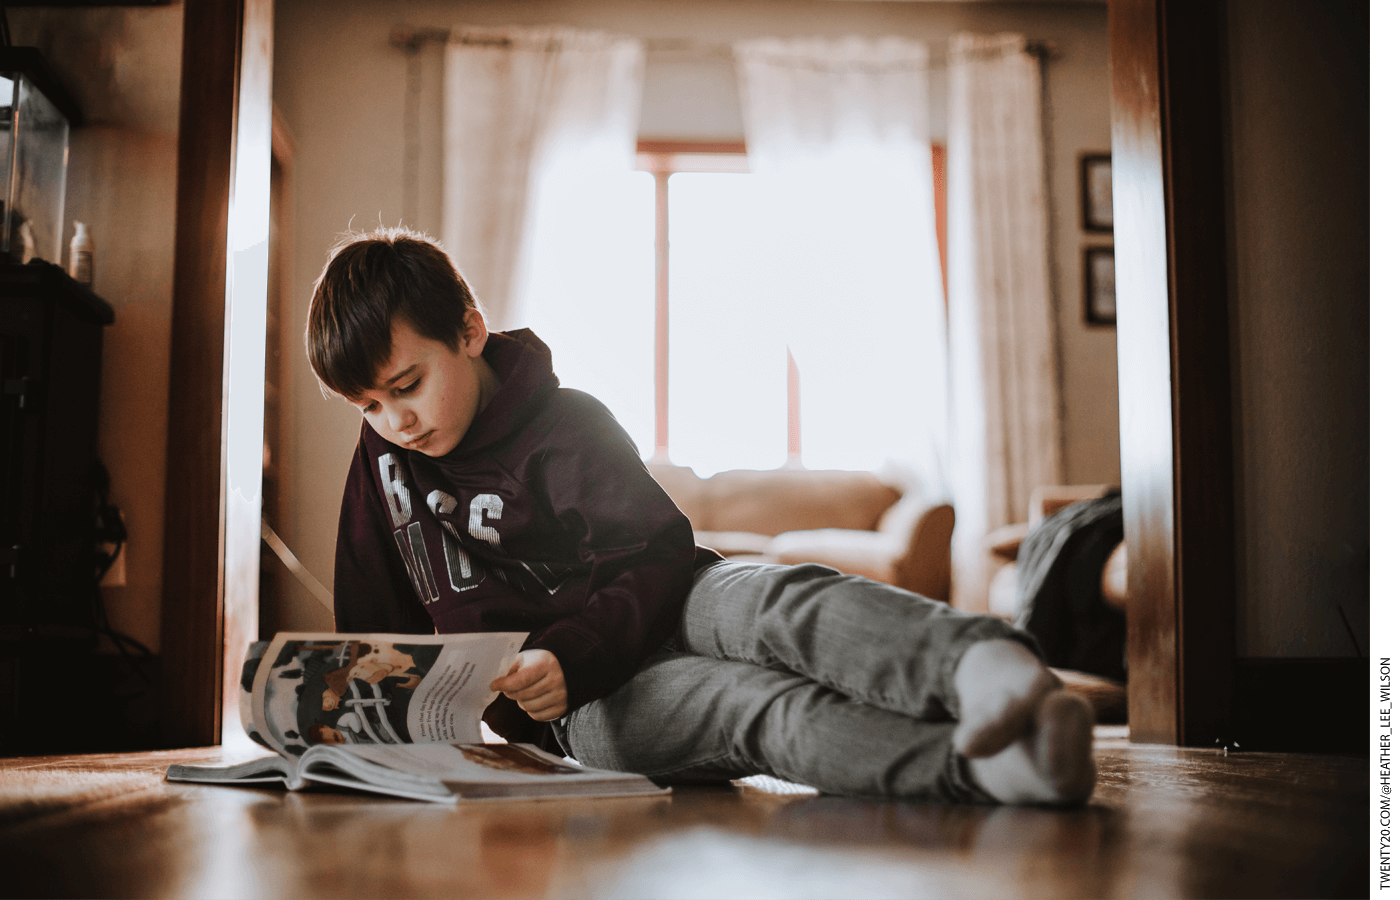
(1164, 822)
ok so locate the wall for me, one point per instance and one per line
(1297, 112)
(350, 98)
(123, 67)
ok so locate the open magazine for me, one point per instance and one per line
(395, 714)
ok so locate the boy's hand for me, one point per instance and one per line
(536, 682)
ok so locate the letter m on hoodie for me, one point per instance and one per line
(412, 547)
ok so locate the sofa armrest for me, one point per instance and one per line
(1049, 499)
(925, 565)
(1005, 542)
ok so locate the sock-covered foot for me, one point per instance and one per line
(1000, 685)
(1052, 764)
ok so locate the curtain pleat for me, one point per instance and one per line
(838, 137)
(515, 100)
(1004, 367)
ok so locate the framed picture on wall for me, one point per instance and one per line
(1096, 191)
(1100, 298)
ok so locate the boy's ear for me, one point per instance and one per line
(474, 332)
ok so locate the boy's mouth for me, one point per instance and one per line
(418, 442)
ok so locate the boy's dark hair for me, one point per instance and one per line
(369, 278)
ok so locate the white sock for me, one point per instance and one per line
(1053, 764)
(1028, 739)
(1000, 684)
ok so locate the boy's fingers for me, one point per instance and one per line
(536, 684)
(542, 688)
(529, 688)
(513, 680)
(518, 681)
(545, 709)
(537, 704)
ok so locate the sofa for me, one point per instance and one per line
(856, 522)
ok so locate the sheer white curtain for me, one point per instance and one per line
(541, 206)
(1003, 363)
(838, 143)
(519, 104)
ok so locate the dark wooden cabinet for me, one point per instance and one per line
(50, 363)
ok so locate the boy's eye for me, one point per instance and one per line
(369, 408)
(410, 387)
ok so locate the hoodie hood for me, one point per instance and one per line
(524, 368)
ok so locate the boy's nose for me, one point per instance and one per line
(401, 419)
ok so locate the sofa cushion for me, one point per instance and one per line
(855, 552)
(855, 522)
(773, 502)
(777, 500)
(734, 543)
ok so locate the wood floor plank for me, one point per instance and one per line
(1164, 822)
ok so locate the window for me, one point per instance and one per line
(678, 299)
(734, 388)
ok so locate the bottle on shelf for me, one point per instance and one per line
(80, 254)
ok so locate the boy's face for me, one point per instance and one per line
(427, 394)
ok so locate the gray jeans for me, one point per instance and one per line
(798, 672)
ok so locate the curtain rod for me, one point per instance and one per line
(412, 39)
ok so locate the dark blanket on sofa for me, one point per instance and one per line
(1059, 598)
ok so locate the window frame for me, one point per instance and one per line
(666, 158)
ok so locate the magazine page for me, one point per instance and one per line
(304, 689)
(469, 771)
(478, 762)
(264, 769)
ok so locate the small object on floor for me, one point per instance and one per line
(1226, 745)
(770, 785)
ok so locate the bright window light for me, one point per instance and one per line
(842, 271)
(728, 356)
(591, 291)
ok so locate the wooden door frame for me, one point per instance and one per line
(213, 447)
(1170, 235)
(1173, 358)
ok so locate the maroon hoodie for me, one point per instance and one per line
(543, 519)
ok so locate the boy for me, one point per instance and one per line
(484, 497)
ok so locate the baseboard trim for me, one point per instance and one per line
(60, 699)
(1301, 705)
